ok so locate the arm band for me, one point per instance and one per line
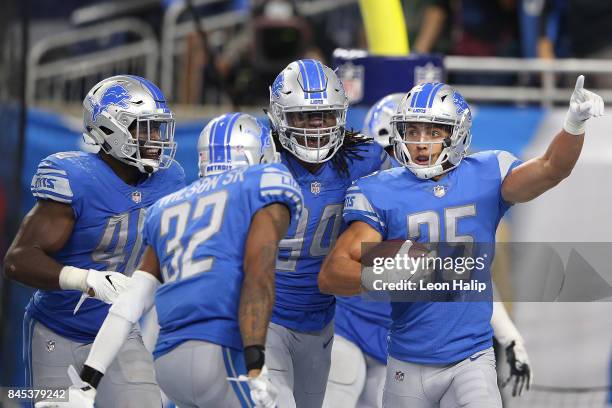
(254, 357)
(91, 376)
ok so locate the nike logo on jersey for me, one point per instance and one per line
(474, 358)
(327, 342)
(110, 281)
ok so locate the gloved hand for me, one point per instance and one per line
(520, 368)
(106, 285)
(80, 394)
(263, 392)
(102, 285)
(584, 105)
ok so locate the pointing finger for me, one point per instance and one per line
(579, 83)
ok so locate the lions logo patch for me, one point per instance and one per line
(278, 85)
(115, 95)
(461, 105)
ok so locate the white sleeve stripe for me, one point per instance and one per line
(505, 160)
(51, 171)
(276, 180)
(54, 197)
(375, 219)
(283, 188)
(290, 197)
(274, 170)
(278, 192)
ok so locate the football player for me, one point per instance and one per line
(440, 354)
(377, 123)
(308, 116)
(359, 354)
(213, 247)
(83, 237)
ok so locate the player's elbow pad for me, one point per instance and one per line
(137, 298)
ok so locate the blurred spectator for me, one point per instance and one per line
(339, 28)
(275, 36)
(554, 34)
(585, 26)
(483, 28)
(428, 25)
(477, 27)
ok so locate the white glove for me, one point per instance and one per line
(584, 105)
(520, 368)
(106, 285)
(263, 392)
(80, 394)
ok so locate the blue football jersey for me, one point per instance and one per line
(109, 215)
(199, 235)
(464, 205)
(364, 323)
(299, 304)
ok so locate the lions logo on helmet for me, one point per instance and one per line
(441, 109)
(128, 118)
(234, 140)
(115, 95)
(308, 110)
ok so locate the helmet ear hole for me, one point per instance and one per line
(106, 130)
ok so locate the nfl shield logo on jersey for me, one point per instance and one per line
(439, 191)
(315, 187)
(136, 197)
(399, 376)
(352, 78)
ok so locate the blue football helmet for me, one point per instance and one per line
(377, 123)
(308, 110)
(439, 106)
(234, 140)
(128, 118)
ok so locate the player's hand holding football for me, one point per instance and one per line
(520, 368)
(80, 394)
(102, 285)
(584, 105)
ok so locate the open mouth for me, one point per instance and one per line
(312, 142)
(150, 153)
(422, 160)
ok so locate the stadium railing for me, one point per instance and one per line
(65, 66)
(546, 93)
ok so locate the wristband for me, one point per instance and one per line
(71, 278)
(254, 357)
(91, 376)
(574, 127)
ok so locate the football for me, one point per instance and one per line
(389, 249)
